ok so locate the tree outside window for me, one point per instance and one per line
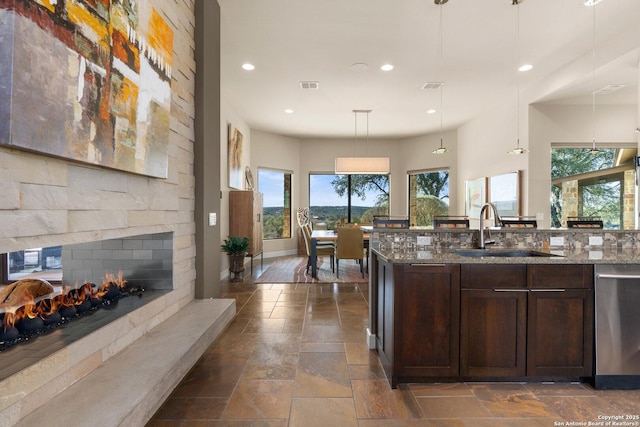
(588, 185)
(354, 198)
(428, 196)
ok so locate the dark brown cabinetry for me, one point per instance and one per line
(534, 320)
(418, 320)
(475, 321)
(493, 325)
(560, 321)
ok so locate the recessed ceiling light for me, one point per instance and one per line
(387, 67)
(591, 2)
(431, 111)
(525, 67)
(288, 111)
(249, 67)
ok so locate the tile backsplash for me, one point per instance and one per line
(420, 239)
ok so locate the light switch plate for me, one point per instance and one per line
(212, 219)
(595, 241)
(556, 241)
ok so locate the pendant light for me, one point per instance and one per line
(361, 165)
(517, 149)
(442, 149)
(593, 149)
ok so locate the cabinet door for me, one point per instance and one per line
(560, 333)
(493, 332)
(257, 227)
(427, 320)
(493, 325)
(384, 316)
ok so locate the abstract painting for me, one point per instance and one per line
(234, 163)
(88, 80)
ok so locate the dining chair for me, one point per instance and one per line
(350, 245)
(303, 221)
(320, 249)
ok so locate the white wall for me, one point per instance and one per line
(278, 152)
(416, 154)
(483, 146)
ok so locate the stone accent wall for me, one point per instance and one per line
(629, 200)
(570, 200)
(48, 201)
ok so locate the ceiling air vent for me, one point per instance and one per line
(432, 86)
(606, 90)
(309, 85)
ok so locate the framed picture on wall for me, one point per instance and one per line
(234, 159)
(504, 193)
(475, 196)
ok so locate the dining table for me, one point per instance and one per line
(327, 236)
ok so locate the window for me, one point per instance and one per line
(356, 198)
(600, 185)
(42, 263)
(428, 196)
(275, 187)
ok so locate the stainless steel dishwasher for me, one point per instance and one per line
(617, 290)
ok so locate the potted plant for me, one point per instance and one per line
(237, 248)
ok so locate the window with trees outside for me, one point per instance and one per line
(275, 187)
(428, 196)
(598, 185)
(356, 198)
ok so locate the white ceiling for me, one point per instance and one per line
(294, 40)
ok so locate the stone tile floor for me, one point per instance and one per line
(295, 355)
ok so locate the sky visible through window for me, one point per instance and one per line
(271, 185)
(322, 193)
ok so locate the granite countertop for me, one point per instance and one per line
(560, 256)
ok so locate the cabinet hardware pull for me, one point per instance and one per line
(510, 290)
(548, 290)
(428, 265)
(617, 276)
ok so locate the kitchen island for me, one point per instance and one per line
(507, 314)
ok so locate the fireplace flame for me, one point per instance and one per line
(68, 303)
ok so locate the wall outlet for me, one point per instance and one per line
(556, 241)
(212, 219)
(423, 240)
(596, 241)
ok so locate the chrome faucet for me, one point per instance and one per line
(496, 218)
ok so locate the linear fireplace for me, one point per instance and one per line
(48, 363)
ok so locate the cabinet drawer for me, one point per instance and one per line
(560, 276)
(491, 276)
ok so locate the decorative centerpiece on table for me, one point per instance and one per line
(237, 248)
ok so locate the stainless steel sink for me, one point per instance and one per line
(480, 253)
